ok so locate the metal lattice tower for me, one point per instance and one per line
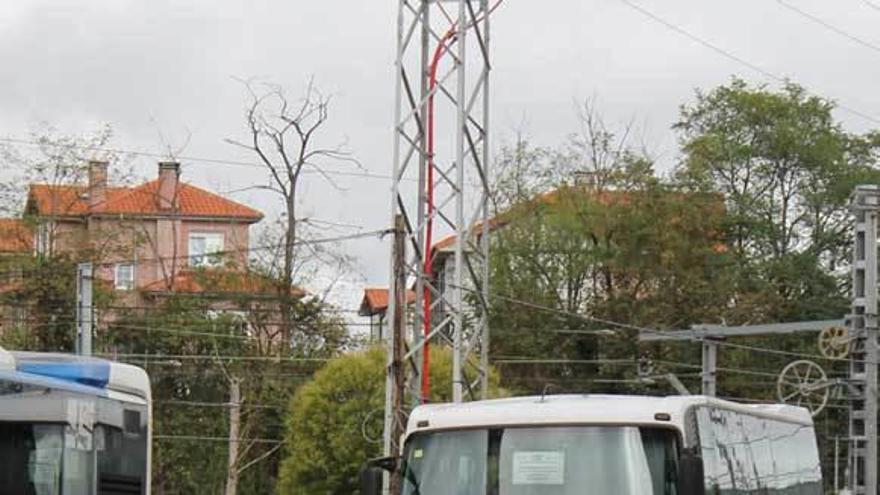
(863, 356)
(442, 103)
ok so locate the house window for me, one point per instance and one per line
(124, 279)
(43, 238)
(205, 249)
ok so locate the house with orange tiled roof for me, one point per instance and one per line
(16, 238)
(374, 306)
(443, 251)
(143, 238)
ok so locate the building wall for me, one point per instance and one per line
(159, 247)
(235, 238)
(377, 327)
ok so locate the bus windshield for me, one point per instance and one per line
(571, 460)
(58, 442)
(33, 455)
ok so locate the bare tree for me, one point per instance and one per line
(603, 156)
(53, 159)
(284, 136)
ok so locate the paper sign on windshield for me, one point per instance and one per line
(539, 468)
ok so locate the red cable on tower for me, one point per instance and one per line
(450, 38)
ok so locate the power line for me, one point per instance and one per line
(218, 404)
(630, 363)
(250, 249)
(198, 438)
(715, 48)
(871, 4)
(203, 357)
(264, 247)
(626, 326)
(829, 26)
(727, 54)
(188, 158)
(623, 362)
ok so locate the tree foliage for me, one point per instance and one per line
(752, 227)
(334, 421)
(192, 351)
(786, 169)
(608, 240)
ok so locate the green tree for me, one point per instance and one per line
(332, 420)
(193, 352)
(786, 169)
(41, 297)
(592, 232)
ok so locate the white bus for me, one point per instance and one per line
(71, 425)
(605, 445)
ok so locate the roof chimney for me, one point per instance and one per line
(590, 179)
(169, 174)
(97, 183)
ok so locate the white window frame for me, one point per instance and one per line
(43, 241)
(237, 316)
(214, 244)
(121, 284)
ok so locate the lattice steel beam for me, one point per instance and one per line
(457, 33)
(865, 206)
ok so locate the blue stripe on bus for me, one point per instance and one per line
(90, 373)
(53, 383)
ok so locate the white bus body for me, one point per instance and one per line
(609, 445)
(72, 425)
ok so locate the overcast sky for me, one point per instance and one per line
(168, 66)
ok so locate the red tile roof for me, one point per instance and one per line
(477, 230)
(219, 282)
(555, 196)
(376, 300)
(551, 197)
(139, 200)
(15, 237)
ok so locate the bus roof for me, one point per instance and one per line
(584, 409)
(79, 373)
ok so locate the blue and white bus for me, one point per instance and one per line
(73, 425)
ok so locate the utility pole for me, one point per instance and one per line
(84, 309)
(396, 373)
(710, 366)
(234, 433)
(452, 176)
(865, 207)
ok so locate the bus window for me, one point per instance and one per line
(122, 451)
(32, 457)
(662, 454)
(747, 454)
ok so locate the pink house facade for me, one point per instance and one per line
(141, 238)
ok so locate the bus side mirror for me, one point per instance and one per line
(372, 473)
(690, 474)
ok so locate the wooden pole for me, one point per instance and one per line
(234, 432)
(398, 328)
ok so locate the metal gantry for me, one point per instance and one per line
(440, 185)
(858, 340)
(865, 207)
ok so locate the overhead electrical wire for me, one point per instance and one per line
(636, 328)
(727, 54)
(379, 233)
(831, 27)
(217, 439)
(184, 158)
(218, 404)
(202, 357)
